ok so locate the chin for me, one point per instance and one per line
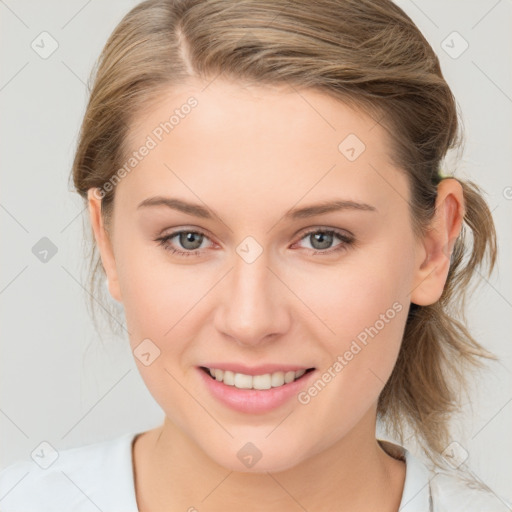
(274, 465)
(248, 458)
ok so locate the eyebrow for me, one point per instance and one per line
(295, 213)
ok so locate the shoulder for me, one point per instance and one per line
(431, 489)
(454, 490)
(97, 476)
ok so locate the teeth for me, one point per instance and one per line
(229, 378)
(243, 381)
(277, 379)
(262, 381)
(267, 381)
(289, 377)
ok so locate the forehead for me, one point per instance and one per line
(256, 112)
(256, 140)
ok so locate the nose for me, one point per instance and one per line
(254, 302)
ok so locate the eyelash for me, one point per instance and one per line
(346, 240)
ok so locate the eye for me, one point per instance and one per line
(321, 240)
(188, 239)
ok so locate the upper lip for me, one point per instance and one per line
(261, 369)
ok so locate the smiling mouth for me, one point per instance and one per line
(258, 382)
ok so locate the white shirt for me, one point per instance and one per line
(99, 477)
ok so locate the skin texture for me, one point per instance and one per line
(249, 154)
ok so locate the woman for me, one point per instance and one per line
(265, 193)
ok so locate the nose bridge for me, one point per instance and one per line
(253, 305)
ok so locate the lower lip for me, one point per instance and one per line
(254, 401)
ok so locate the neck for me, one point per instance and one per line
(353, 474)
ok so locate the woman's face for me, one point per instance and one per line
(261, 285)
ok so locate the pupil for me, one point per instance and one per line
(324, 244)
(188, 238)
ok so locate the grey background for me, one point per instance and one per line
(58, 382)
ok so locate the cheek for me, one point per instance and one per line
(159, 300)
(354, 294)
(365, 304)
(348, 296)
(156, 294)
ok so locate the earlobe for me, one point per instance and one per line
(103, 243)
(437, 244)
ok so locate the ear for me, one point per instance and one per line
(433, 258)
(103, 242)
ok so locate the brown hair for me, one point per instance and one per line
(370, 55)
